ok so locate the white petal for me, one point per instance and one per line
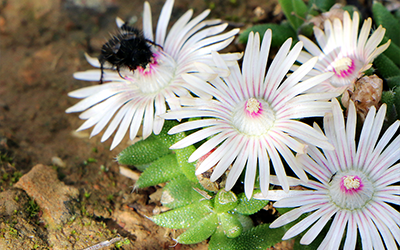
(229, 154)
(208, 146)
(333, 237)
(136, 122)
(263, 164)
(313, 232)
(196, 137)
(116, 121)
(271, 86)
(163, 21)
(147, 22)
(237, 168)
(160, 108)
(251, 169)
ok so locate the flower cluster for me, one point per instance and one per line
(248, 119)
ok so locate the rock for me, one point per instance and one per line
(9, 202)
(80, 233)
(51, 195)
(17, 229)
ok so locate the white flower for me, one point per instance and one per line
(140, 96)
(354, 185)
(252, 118)
(342, 51)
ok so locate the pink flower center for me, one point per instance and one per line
(343, 67)
(351, 184)
(253, 117)
(253, 107)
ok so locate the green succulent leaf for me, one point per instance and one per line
(386, 67)
(307, 29)
(230, 224)
(160, 171)
(396, 91)
(252, 206)
(393, 51)
(219, 241)
(383, 17)
(200, 231)
(187, 168)
(295, 11)
(164, 137)
(184, 217)
(260, 237)
(143, 152)
(388, 97)
(323, 5)
(397, 14)
(225, 201)
(179, 192)
(246, 221)
(280, 33)
(393, 81)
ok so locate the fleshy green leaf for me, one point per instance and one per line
(393, 51)
(396, 91)
(386, 67)
(225, 201)
(164, 137)
(323, 5)
(187, 168)
(295, 11)
(230, 224)
(383, 17)
(393, 81)
(248, 207)
(246, 221)
(184, 217)
(260, 237)
(179, 192)
(306, 29)
(143, 152)
(280, 33)
(202, 230)
(161, 170)
(219, 241)
(388, 98)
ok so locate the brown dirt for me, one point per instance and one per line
(42, 43)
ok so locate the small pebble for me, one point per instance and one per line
(129, 173)
(58, 162)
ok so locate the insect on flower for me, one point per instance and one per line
(143, 70)
(128, 49)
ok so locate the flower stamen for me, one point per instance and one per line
(343, 67)
(253, 106)
(350, 184)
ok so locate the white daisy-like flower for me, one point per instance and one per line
(253, 117)
(354, 185)
(343, 51)
(133, 98)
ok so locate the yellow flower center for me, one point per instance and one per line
(350, 183)
(252, 105)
